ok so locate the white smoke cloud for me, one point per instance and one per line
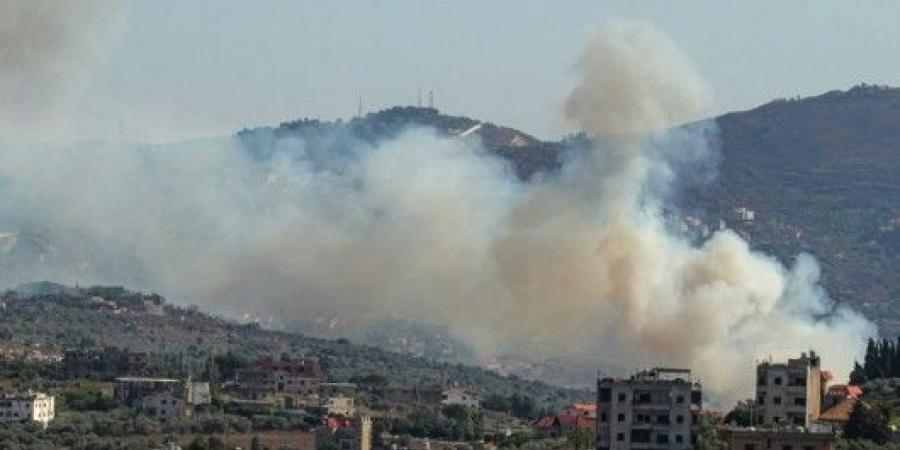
(48, 49)
(577, 263)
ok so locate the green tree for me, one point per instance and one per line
(868, 422)
(580, 438)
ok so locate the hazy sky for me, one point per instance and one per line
(176, 69)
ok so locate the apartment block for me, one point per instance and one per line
(653, 409)
(789, 393)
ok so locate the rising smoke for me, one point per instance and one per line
(577, 263)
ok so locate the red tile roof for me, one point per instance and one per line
(583, 407)
(840, 412)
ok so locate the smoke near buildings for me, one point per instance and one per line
(577, 263)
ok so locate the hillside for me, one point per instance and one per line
(821, 175)
(50, 318)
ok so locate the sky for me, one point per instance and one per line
(172, 70)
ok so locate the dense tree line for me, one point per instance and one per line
(882, 360)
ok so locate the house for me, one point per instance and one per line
(561, 424)
(294, 381)
(340, 406)
(461, 397)
(198, 393)
(27, 406)
(790, 393)
(163, 406)
(162, 398)
(103, 363)
(656, 408)
(837, 393)
(839, 402)
(344, 434)
(775, 439)
(581, 409)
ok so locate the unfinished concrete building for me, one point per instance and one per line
(653, 409)
(789, 393)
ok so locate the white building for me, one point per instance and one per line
(461, 397)
(198, 393)
(29, 406)
(340, 406)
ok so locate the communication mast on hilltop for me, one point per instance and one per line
(431, 99)
(359, 108)
(419, 99)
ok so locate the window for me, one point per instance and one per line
(620, 437)
(621, 418)
(679, 419)
(800, 401)
(679, 399)
(662, 418)
(776, 400)
(622, 397)
(643, 397)
(761, 400)
(749, 447)
(679, 438)
(777, 381)
(787, 447)
(603, 417)
(776, 419)
(800, 381)
(662, 438)
(604, 395)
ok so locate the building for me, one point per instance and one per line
(581, 409)
(790, 393)
(198, 393)
(162, 398)
(561, 424)
(345, 434)
(292, 380)
(653, 409)
(104, 363)
(28, 406)
(340, 406)
(163, 406)
(460, 397)
(775, 439)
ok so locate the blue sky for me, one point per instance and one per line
(179, 69)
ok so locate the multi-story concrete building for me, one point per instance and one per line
(653, 409)
(292, 379)
(789, 393)
(28, 406)
(345, 434)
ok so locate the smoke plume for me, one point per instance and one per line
(47, 48)
(577, 263)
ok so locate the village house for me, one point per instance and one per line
(839, 402)
(292, 383)
(162, 398)
(562, 424)
(344, 433)
(581, 409)
(655, 408)
(103, 363)
(27, 406)
(460, 397)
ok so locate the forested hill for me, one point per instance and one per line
(47, 319)
(823, 176)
